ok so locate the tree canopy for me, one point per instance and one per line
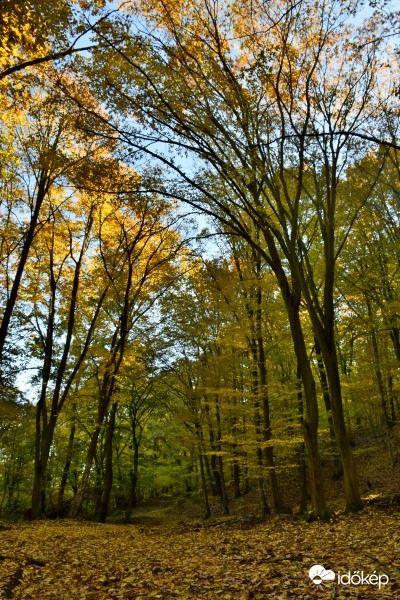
(199, 253)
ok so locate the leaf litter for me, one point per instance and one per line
(226, 559)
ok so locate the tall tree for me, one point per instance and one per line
(137, 252)
(53, 149)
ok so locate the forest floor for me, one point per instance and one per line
(231, 558)
(170, 553)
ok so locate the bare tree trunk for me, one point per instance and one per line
(225, 501)
(210, 477)
(45, 430)
(265, 510)
(351, 487)
(224, 496)
(38, 507)
(392, 398)
(302, 479)
(276, 504)
(338, 468)
(378, 369)
(207, 510)
(310, 419)
(91, 453)
(395, 337)
(291, 298)
(42, 189)
(134, 475)
(108, 478)
(67, 465)
(236, 479)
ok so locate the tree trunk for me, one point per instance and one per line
(207, 510)
(236, 479)
(323, 321)
(38, 507)
(108, 477)
(392, 398)
(310, 419)
(276, 504)
(42, 189)
(257, 427)
(224, 496)
(46, 433)
(395, 337)
(302, 479)
(225, 501)
(91, 452)
(210, 477)
(338, 468)
(351, 487)
(291, 298)
(67, 465)
(134, 474)
(378, 369)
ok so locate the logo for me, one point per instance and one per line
(319, 575)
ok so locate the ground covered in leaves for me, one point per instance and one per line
(228, 559)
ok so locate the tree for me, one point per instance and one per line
(53, 148)
(137, 252)
(31, 35)
(280, 122)
(139, 401)
(66, 247)
(368, 274)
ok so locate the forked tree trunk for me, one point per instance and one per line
(91, 453)
(291, 297)
(326, 339)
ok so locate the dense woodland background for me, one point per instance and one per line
(199, 254)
